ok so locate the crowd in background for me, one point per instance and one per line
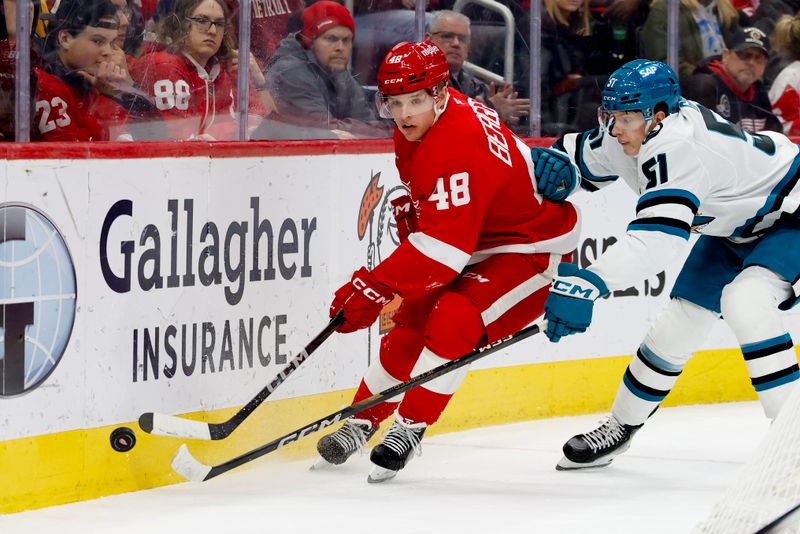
(168, 69)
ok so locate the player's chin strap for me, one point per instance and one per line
(437, 111)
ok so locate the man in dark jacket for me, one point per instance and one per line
(451, 32)
(731, 84)
(315, 94)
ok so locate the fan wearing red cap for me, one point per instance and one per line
(321, 17)
(478, 246)
(308, 78)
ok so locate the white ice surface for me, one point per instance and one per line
(492, 480)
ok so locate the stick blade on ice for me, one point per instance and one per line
(160, 424)
(188, 467)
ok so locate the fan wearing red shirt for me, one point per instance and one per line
(481, 249)
(192, 90)
(78, 56)
(269, 21)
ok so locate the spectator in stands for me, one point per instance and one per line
(784, 94)
(615, 34)
(147, 8)
(768, 13)
(8, 10)
(765, 18)
(124, 18)
(704, 26)
(565, 31)
(8, 67)
(7, 89)
(135, 32)
(309, 80)
(361, 7)
(77, 58)
(193, 91)
(450, 31)
(730, 84)
(269, 20)
(129, 110)
(124, 15)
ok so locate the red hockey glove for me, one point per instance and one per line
(404, 216)
(361, 299)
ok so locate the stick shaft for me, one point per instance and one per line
(369, 402)
(168, 425)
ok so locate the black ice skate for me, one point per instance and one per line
(599, 447)
(336, 448)
(396, 449)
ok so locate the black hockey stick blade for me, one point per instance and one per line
(790, 518)
(188, 467)
(178, 427)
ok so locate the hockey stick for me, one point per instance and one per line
(785, 520)
(188, 467)
(170, 425)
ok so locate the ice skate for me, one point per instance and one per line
(599, 447)
(336, 448)
(396, 449)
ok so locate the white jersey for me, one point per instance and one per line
(696, 172)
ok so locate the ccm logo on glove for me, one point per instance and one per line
(567, 287)
(369, 292)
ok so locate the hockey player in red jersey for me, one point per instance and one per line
(479, 247)
(189, 82)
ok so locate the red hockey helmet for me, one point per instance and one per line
(409, 67)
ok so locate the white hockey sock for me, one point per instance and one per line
(647, 381)
(772, 366)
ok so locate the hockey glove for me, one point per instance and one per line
(555, 174)
(568, 308)
(361, 300)
(404, 216)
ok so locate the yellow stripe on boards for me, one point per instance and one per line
(78, 465)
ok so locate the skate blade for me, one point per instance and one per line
(321, 464)
(380, 474)
(566, 464)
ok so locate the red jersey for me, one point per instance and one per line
(63, 112)
(471, 183)
(785, 98)
(269, 19)
(191, 99)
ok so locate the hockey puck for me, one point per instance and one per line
(123, 439)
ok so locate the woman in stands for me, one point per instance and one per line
(565, 32)
(193, 91)
(784, 95)
(704, 28)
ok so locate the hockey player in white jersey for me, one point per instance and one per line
(694, 172)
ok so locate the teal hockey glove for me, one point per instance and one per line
(568, 308)
(554, 172)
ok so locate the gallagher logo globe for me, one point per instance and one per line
(37, 298)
